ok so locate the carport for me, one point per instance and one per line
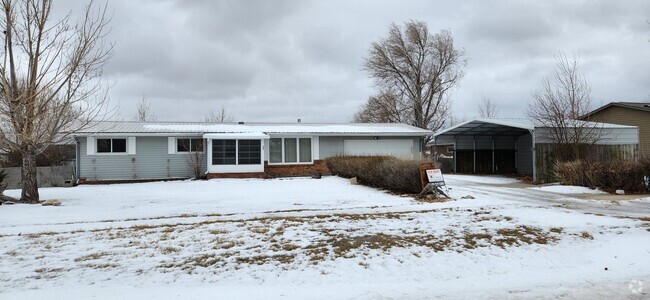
(491, 146)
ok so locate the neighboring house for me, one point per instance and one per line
(518, 146)
(627, 113)
(126, 151)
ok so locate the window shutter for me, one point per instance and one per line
(131, 145)
(171, 145)
(90, 145)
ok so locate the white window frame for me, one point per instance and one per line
(236, 168)
(297, 137)
(112, 138)
(190, 138)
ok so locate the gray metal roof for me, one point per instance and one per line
(143, 128)
(505, 126)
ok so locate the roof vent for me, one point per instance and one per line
(299, 120)
(240, 123)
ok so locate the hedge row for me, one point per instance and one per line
(632, 177)
(384, 172)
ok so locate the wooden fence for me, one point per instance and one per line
(546, 157)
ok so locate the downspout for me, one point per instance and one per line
(77, 161)
(532, 135)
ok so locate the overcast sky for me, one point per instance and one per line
(284, 60)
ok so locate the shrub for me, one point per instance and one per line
(632, 177)
(385, 172)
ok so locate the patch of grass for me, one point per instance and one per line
(557, 230)
(218, 231)
(586, 235)
(263, 259)
(169, 250)
(91, 256)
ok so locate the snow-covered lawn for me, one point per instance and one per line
(304, 238)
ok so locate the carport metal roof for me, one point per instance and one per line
(489, 127)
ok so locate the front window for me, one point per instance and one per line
(236, 152)
(290, 150)
(189, 145)
(224, 152)
(249, 152)
(111, 145)
(275, 150)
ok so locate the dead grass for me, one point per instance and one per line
(91, 256)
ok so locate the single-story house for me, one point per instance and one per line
(519, 146)
(128, 151)
(626, 113)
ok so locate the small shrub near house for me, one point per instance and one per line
(632, 177)
(384, 172)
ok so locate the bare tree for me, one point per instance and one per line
(49, 75)
(487, 109)
(221, 116)
(418, 70)
(560, 102)
(195, 163)
(144, 112)
(382, 108)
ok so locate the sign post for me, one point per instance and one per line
(435, 183)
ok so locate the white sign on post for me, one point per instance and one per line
(434, 175)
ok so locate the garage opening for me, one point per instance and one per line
(489, 147)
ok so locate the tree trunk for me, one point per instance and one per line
(28, 175)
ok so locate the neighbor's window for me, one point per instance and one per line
(249, 152)
(189, 145)
(111, 145)
(224, 152)
(450, 149)
(295, 150)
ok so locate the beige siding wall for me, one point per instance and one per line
(632, 117)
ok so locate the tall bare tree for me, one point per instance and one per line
(144, 112)
(487, 109)
(221, 116)
(49, 79)
(560, 102)
(382, 108)
(414, 72)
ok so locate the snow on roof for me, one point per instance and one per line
(116, 127)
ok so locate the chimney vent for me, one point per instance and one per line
(241, 123)
(299, 120)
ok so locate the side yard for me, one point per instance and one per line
(306, 238)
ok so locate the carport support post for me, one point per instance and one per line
(474, 152)
(532, 148)
(493, 170)
(455, 151)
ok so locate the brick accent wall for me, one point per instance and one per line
(319, 166)
(236, 175)
(272, 171)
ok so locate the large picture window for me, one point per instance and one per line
(290, 150)
(236, 152)
(275, 150)
(189, 145)
(249, 152)
(111, 145)
(224, 152)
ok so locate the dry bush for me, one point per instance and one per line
(385, 172)
(632, 177)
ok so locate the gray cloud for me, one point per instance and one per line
(283, 60)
